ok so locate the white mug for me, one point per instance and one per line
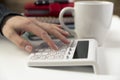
(92, 19)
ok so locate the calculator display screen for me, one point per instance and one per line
(81, 50)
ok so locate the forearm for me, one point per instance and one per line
(5, 12)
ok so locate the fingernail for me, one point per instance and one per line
(67, 32)
(55, 47)
(28, 48)
(67, 41)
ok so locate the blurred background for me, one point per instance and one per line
(18, 5)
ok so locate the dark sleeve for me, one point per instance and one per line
(5, 12)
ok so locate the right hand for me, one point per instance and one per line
(16, 25)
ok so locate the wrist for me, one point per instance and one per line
(4, 19)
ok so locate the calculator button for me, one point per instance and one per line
(41, 50)
(53, 53)
(63, 50)
(44, 53)
(43, 57)
(70, 49)
(61, 53)
(67, 57)
(69, 53)
(36, 50)
(38, 53)
(47, 50)
(50, 57)
(59, 57)
(35, 57)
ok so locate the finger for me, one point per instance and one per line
(60, 36)
(60, 29)
(54, 30)
(19, 41)
(49, 41)
(63, 32)
(43, 34)
(60, 26)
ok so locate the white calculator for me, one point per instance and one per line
(80, 52)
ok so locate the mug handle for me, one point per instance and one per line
(62, 12)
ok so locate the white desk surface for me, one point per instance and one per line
(13, 62)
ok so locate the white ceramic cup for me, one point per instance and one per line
(92, 19)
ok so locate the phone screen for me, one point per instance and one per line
(81, 50)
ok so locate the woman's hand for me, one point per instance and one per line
(16, 25)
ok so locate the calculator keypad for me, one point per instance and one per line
(44, 52)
